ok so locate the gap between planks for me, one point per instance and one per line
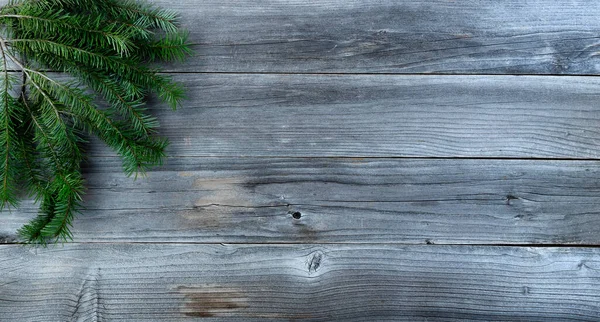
(506, 245)
(346, 158)
(349, 73)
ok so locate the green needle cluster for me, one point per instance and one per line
(108, 48)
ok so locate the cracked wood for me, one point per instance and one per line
(340, 200)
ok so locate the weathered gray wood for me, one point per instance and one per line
(387, 36)
(120, 282)
(339, 200)
(276, 197)
(383, 115)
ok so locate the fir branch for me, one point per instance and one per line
(106, 46)
(167, 90)
(8, 139)
(164, 20)
(79, 28)
(63, 180)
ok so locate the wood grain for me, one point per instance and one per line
(384, 116)
(339, 200)
(125, 282)
(301, 164)
(387, 36)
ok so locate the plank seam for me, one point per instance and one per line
(369, 157)
(358, 74)
(323, 243)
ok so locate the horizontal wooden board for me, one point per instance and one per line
(238, 200)
(120, 282)
(384, 116)
(387, 36)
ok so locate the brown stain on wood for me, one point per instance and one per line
(186, 174)
(205, 217)
(221, 191)
(211, 301)
(217, 183)
(219, 200)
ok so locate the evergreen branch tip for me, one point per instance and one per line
(108, 49)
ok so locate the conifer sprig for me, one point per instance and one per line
(107, 46)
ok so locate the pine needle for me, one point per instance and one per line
(107, 47)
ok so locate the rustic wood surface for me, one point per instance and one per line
(384, 115)
(387, 36)
(457, 201)
(125, 282)
(316, 173)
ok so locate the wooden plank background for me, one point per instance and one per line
(387, 36)
(347, 160)
(342, 200)
(125, 282)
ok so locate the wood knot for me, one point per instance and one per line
(88, 303)
(509, 198)
(314, 262)
(526, 216)
(296, 214)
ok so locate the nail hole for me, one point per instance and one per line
(296, 215)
